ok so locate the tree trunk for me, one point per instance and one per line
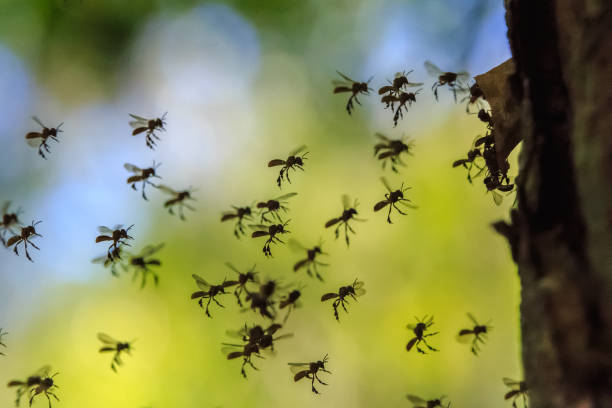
(561, 232)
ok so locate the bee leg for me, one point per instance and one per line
(207, 306)
(398, 210)
(343, 304)
(346, 237)
(429, 347)
(25, 245)
(319, 380)
(389, 215)
(181, 213)
(337, 231)
(15, 248)
(143, 192)
(312, 384)
(217, 302)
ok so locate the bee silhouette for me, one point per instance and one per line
(10, 224)
(255, 334)
(1, 341)
(476, 335)
(274, 206)
(150, 126)
(391, 150)
(495, 179)
(353, 290)
(118, 235)
(141, 264)
(26, 234)
(46, 386)
(418, 402)
(246, 351)
(291, 301)
(41, 139)
(113, 260)
(399, 84)
(178, 199)
(239, 214)
(403, 99)
(264, 299)
(208, 291)
(271, 231)
(451, 79)
(392, 199)
(30, 385)
(310, 263)
(244, 278)
(349, 85)
(141, 175)
(310, 371)
(473, 161)
(419, 329)
(347, 215)
(475, 96)
(292, 162)
(517, 389)
(117, 347)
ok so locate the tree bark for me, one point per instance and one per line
(561, 231)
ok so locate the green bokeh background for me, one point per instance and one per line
(245, 82)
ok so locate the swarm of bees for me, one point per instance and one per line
(269, 298)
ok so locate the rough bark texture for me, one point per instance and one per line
(561, 232)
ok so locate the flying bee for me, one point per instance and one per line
(142, 262)
(118, 347)
(271, 231)
(179, 200)
(112, 260)
(291, 301)
(353, 290)
(419, 402)
(263, 299)
(475, 96)
(141, 124)
(240, 214)
(209, 291)
(267, 339)
(310, 263)
(391, 150)
(24, 386)
(349, 85)
(10, 222)
(32, 138)
(46, 386)
(244, 278)
(310, 371)
(293, 162)
(24, 236)
(452, 79)
(402, 98)
(1, 343)
(254, 334)
(274, 206)
(419, 330)
(246, 351)
(470, 162)
(517, 389)
(348, 214)
(400, 82)
(118, 235)
(477, 334)
(392, 199)
(141, 175)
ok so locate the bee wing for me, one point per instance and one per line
(230, 349)
(296, 246)
(463, 76)
(38, 121)
(346, 78)
(33, 142)
(132, 168)
(358, 284)
(150, 250)
(297, 367)
(510, 382)
(232, 267)
(497, 198)
(413, 84)
(5, 207)
(472, 318)
(105, 338)
(382, 137)
(386, 184)
(298, 150)
(258, 227)
(346, 201)
(105, 230)
(284, 336)
(360, 292)
(416, 400)
(139, 121)
(286, 196)
(432, 69)
(202, 284)
(167, 189)
(100, 259)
